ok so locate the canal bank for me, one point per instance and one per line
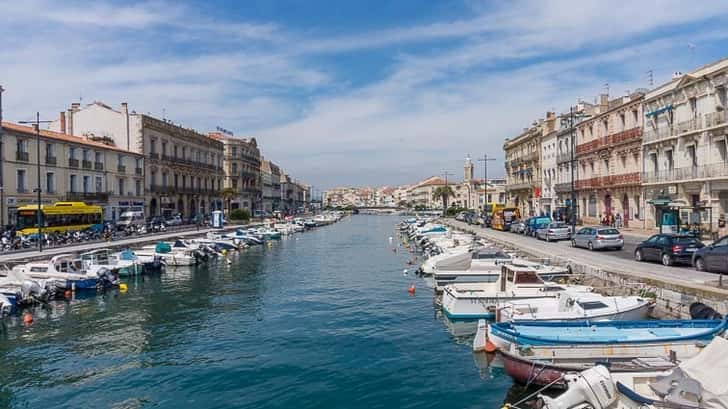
(318, 319)
(674, 288)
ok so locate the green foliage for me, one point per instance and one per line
(240, 214)
(452, 211)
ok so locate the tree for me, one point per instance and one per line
(240, 214)
(228, 194)
(443, 192)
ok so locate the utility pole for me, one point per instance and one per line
(446, 192)
(38, 214)
(572, 206)
(2, 179)
(485, 160)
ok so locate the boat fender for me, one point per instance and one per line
(27, 318)
(411, 289)
(123, 287)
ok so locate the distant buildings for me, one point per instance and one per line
(243, 168)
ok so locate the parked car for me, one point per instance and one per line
(535, 223)
(553, 231)
(174, 221)
(518, 226)
(668, 249)
(597, 238)
(460, 217)
(156, 223)
(712, 258)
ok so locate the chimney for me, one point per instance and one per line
(63, 122)
(69, 121)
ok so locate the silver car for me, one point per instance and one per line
(597, 237)
(518, 227)
(554, 231)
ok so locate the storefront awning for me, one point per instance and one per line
(659, 111)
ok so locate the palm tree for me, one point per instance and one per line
(443, 192)
(228, 194)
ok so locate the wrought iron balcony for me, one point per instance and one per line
(73, 163)
(86, 164)
(87, 196)
(654, 135)
(22, 156)
(690, 125)
(121, 169)
(98, 165)
(687, 173)
(714, 119)
(50, 160)
(138, 171)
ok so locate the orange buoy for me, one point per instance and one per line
(68, 294)
(490, 347)
(411, 289)
(27, 318)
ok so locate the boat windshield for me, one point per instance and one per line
(591, 305)
(527, 277)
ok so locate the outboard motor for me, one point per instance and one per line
(593, 386)
(700, 311)
(107, 279)
(31, 292)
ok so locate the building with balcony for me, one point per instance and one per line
(295, 197)
(183, 169)
(609, 160)
(549, 168)
(242, 166)
(523, 169)
(684, 147)
(72, 168)
(270, 176)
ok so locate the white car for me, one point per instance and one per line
(174, 221)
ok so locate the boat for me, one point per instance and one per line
(698, 382)
(6, 306)
(244, 236)
(541, 353)
(68, 273)
(171, 257)
(22, 290)
(481, 299)
(107, 259)
(284, 228)
(149, 263)
(575, 305)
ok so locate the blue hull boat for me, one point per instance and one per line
(606, 332)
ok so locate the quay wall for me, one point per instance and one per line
(672, 297)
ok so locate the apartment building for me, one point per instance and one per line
(684, 148)
(242, 167)
(609, 158)
(72, 168)
(270, 175)
(523, 170)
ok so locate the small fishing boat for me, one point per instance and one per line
(542, 352)
(22, 290)
(481, 299)
(68, 273)
(149, 263)
(171, 257)
(698, 382)
(575, 305)
(107, 259)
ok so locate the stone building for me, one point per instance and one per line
(547, 200)
(72, 168)
(523, 170)
(270, 175)
(183, 168)
(684, 148)
(609, 159)
(242, 167)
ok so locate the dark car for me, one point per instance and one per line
(712, 258)
(668, 249)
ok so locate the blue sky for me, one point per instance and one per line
(350, 92)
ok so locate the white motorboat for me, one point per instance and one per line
(171, 256)
(481, 299)
(698, 382)
(284, 228)
(21, 289)
(574, 305)
(67, 272)
(96, 260)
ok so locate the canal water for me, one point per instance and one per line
(319, 320)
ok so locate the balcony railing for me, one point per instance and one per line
(162, 189)
(87, 196)
(624, 179)
(121, 169)
(50, 160)
(689, 125)
(523, 185)
(86, 164)
(590, 183)
(562, 157)
(652, 135)
(716, 118)
(154, 155)
(73, 163)
(562, 187)
(687, 173)
(99, 165)
(589, 146)
(21, 156)
(138, 171)
(625, 136)
(530, 156)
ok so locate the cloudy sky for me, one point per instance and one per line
(350, 92)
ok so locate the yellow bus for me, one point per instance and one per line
(503, 218)
(58, 217)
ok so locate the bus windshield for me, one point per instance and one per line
(26, 219)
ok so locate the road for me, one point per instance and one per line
(615, 261)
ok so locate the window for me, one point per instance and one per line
(138, 163)
(138, 187)
(21, 181)
(120, 159)
(635, 118)
(691, 156)
(164, 179)
(623, 121)
(184, 152)
(184, 180)
(235, 183)
(99, 185)
(624, 161)
(694, 106)
(152, 146)
(176, 180)
(22, 146)
(668, 157)
(86, 155)
(50, 150)
(606, 166)
(234, 168)
(655, 163)
(121, 186)
(591, 305)
(175, 151)
(234, 151)
(86, 180)
(72, 152)
(153, 179)
(164, 148)
(73, 185)
(97, 157)
(50, 182)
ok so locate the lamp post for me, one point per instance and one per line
(485, 159)
(38, 214)
(2, 178)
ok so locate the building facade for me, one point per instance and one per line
(684, 148)
(183, 171)
(71, 169)
(242, 167)
(523, 170)
(547, 201)
(270, 175)
(609, 159)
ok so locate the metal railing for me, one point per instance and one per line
(138, 171)
(82, 196)
(687, 173)
(562, 157)
(652, 135)
(716, 118)
(121, 169)
(86, 164)
(562, 187)
(98, 165)
(22, 156)
(73, 163)
(689, 125)
(50, 160)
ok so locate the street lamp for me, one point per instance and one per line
(2, 183)
(38, 218)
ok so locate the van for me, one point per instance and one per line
(130, 219)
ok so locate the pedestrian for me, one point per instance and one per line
(618, 221)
